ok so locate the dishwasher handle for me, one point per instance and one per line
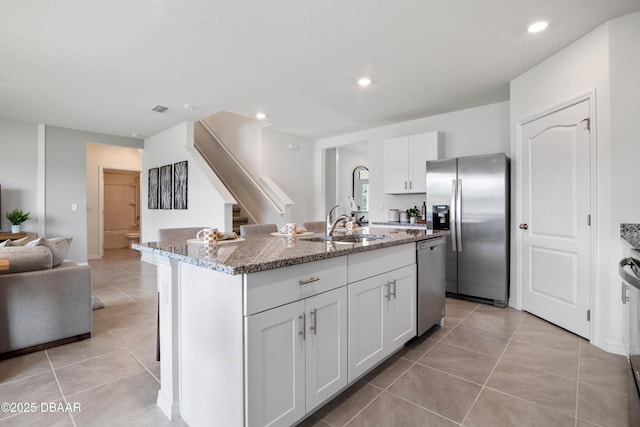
(431, 245)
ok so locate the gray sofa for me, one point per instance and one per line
(42, 306)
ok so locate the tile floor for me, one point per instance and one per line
(485, 367)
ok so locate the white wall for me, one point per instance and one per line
(479, 130)
(109, 157)
(18, 172)
(242, 136)
(206, 206)
(66, 174)
(291, 169)
(607, 60)
(624, 42)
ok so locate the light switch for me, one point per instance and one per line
(74, 207)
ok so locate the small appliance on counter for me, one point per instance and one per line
(394, 215)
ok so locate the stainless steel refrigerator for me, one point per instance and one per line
(470, 197)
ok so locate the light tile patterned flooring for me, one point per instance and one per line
(485, 367)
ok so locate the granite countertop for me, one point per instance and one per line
(265, 252)
(631, 233)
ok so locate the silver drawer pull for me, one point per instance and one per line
(309, 280)
(303, 328)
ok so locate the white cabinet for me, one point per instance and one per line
(326, 346)
(405, 161)
(275, 366)
(382, 317)
(296, 358)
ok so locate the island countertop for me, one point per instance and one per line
(265, 252)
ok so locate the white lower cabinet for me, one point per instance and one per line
(382, 317)
(296, 358)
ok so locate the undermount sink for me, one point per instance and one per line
(347, 239)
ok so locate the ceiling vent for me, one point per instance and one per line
(160, 108)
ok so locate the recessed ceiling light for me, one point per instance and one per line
(364, 81)
(261, 116)
(188, 107)
(536, 27)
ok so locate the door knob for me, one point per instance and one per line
(523, 226)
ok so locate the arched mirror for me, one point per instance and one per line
(361, 188)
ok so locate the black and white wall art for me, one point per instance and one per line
(180, 175)
(166, 187)
(154, 188)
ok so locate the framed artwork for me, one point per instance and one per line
(154, 188)
(166, 187)
(180, 177)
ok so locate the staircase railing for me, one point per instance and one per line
(249, 194)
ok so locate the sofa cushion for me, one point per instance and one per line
(58, 247)
(22, 258)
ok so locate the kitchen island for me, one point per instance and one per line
(266, 330)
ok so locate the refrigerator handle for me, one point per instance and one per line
(459, 215)
(452, 216)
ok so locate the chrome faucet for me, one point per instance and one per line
(331, 224)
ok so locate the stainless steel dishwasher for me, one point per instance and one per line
(431, 283)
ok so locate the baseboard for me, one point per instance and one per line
(616, 347)
(170, 409)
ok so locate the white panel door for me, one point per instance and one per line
(275, 366)
(326, 346)
(554, 225)
(402, 307)
(367, 306)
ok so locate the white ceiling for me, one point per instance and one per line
(102, 66)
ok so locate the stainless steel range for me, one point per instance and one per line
(629, 270)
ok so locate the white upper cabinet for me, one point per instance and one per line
(405, 161)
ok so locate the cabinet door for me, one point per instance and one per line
(326, 346)
(367, 307)
(396, 155)
(422, 147)
(402, 318)
(275, 366)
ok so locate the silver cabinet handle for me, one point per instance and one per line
(309, 280)
(387, 294)
(410, 185)
(393, 282)
(314, 321)
(625, 298)
(405, 185)
(303, 329)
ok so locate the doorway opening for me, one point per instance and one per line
(120, 208)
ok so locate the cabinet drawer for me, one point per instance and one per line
(372, 263)
(272, 288)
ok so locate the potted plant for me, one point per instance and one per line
(413, 214)
(17, 217)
